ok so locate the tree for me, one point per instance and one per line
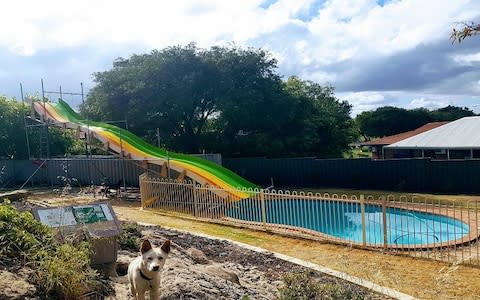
(222, 99)
(466, 30)
(322, 125)
(451, 113)
(176, 89)
(252, 103)
(12, 129)
(389, 120)
(13, 138)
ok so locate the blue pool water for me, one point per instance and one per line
(343, 220)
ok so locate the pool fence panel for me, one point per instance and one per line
(446, 231)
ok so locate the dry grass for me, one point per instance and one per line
(456, 200)
(424, 279)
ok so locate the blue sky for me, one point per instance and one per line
(374, 52)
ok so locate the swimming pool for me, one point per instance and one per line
(343, 220)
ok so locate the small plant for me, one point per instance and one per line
(67, 181)
(65, 273)
(303, 286)
(130, 237)
(21, 236)
(299, 286)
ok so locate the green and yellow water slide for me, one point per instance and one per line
(125, 143)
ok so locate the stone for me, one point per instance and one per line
(198, 256)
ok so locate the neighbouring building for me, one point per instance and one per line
(459, 139)
(377, 146)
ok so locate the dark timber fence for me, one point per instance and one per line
(78, 171)
(421, 175)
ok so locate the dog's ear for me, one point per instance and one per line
(145, 246)
(166, 246)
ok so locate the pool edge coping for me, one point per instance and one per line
(341, 275)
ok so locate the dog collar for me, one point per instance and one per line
(144, 276)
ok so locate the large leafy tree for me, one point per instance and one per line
(389, 120)
(223, 99)
(451, 113)
(12, 129)
(175, 90)
(322, 123)
(252, 106)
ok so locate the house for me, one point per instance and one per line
(378, 145)
(459, 139)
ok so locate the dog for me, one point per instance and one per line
(144, 271)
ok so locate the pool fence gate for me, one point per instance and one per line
(436, 229)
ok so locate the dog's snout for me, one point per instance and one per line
(155, 268)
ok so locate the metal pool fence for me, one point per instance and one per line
(436, 229)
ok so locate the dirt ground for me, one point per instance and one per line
(420, 278)
(202, 268)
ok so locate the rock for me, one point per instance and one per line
(198, 256)
(218, 271)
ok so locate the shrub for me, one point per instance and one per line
(60, 270)
(302, 286)
(130, 237)
(65, 273)
(299, 286)
(21, 236)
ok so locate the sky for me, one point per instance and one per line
(374, 52)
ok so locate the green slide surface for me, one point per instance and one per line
(217, 171)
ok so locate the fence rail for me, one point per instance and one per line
(427, 228)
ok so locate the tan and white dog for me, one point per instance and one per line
(144, 270)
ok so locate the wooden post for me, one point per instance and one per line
(364, 230)
(384, 214)
(142, 189)
(164, 172)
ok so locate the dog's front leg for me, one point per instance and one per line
(139, 296)
(154, 294)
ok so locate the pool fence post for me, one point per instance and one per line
(384, 214)
(362, 209)
(262, 203)
(195, 199)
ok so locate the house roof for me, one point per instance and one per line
(404, 135)
(463, 133)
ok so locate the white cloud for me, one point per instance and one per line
(467, 59)
(310, 38)
(429, 103)
(342, 28)
(370, 100)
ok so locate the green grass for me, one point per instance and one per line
(357, 153)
